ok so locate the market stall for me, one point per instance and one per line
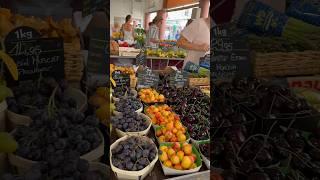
(48, 127)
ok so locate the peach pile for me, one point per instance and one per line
(150, 96)
(178, 156)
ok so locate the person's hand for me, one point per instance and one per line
(204, 47)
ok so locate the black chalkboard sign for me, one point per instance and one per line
(120, 78)
(191, 67)
(147, 78)
(35, 56)
(231, 54)
(22, 33)
(141, 58)
(90, 6)
(178, 79)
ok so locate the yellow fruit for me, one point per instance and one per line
(168, 163)
(175, 159)
(180, 154)
(11, 65)
(187, 149)
(171, 152)
(182, 138)
(164, 148)
(103, 92)
(193, 166)
(186, 162)
(162, 138)
(164, 156)
(178, 167)
(176, 146)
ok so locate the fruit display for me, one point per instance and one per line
(179, 156)
(63, 164)
(193, 107)
(128, 104)
(149, 95)
(8, 144)
(225, 114)
(172, 131)
(130, 121)
(166, 54)
(123, 91)
(133, 154)
(123, 69)
(161, 114)
(28, 99)
(266, 99)
(205, 150)
(56, 130)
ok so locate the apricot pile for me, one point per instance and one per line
(149, 95)
(178, 156)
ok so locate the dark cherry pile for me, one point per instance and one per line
(122, 91)
(193, 106)
(128, 104)
(266, 99)
(59, 165)
(282, 155)
(129, 121)
(64, 129)
(133, 154)
(35, 95)
(225, 114)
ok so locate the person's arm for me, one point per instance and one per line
(188, 36)
(185, 44)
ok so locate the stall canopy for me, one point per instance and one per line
(168, 4)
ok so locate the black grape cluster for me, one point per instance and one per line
(133, 154)
(61, 165)
(129, 121)
(65, 130)
(128, 104)
(35, 95)
(121, 91)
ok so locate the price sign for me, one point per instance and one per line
(178, 79)
(35, 56)
(22, 33)
(191, 67)
(147, 78)
(90, 6)
(261, 18)
(120, 78)
(231, 56)
(205, 62)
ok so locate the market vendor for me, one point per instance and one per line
(195, 38)
(153, 39)
(128, 30)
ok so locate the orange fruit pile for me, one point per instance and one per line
(161, 114)
(178, 156)
(171, 128)
(150, 96)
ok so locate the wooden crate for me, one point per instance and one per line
(199, 82)
(287, 64)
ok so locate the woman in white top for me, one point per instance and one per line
(195, 38)
(128, 30)
(153, 32)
